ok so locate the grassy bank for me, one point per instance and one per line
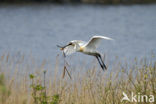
(23, 81)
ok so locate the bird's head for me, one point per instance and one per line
(73, 43)
(69, 44)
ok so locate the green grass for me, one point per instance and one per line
(23, 81)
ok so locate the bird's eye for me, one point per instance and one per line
(70, 44)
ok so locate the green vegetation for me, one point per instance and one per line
(39, 93)
(22, 81)
(4, 92)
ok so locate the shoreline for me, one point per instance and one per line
(90, 2)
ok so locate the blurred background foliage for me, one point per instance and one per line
(81, 1)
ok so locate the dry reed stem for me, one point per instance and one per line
(88, 87)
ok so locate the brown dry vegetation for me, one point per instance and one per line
(88, 87)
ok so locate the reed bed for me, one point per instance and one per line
(23, 81)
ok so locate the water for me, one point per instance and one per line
(36, 29)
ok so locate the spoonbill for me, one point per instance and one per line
(88, 48)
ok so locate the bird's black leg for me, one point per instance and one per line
(102, 61)
(97, 57)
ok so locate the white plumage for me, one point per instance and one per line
(94, 42)
(86, 48)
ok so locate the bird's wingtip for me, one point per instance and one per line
(104, 37)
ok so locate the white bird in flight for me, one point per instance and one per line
(88, 48)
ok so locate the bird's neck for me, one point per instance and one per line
(81, 49)
(77, 47)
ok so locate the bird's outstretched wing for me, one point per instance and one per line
(95, 41)
(69, 50)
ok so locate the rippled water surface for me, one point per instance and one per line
(36, 29)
